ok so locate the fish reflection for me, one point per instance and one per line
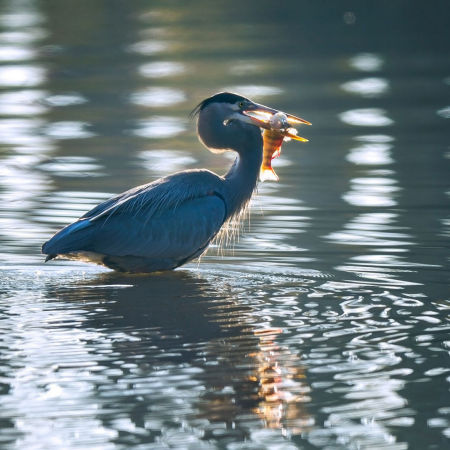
(282, 390)
(261, 378)
(218, 355)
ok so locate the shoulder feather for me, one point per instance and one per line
(160, 195)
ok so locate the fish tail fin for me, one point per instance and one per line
(268, 174)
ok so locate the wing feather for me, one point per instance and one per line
(176, 233)
(174, 217)
(165, 193)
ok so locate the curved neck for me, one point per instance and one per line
(242, 177)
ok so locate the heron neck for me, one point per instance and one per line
(242, 177)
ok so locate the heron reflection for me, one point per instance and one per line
(181, 348)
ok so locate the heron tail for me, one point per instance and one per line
(74, 237)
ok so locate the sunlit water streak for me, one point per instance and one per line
(325, 324)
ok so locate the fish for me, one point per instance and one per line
(273, 139)
(278, 131)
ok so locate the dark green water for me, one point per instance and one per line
(326, 324)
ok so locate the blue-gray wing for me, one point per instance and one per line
(177, 233)
(134, 239)
(165, 223)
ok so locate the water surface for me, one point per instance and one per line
(325, 325)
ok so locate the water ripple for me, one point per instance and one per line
(68, 130)
(72, 166)
(366, 117)
(163, 161)
(149, 47)
(156, 97)
(22, 76)
(323, 326)
(371, 229)
(372, 192)
(367, 87)
(254, 90)
(444, 112)
(161, 69)
(15, 53)
(367, 62)
(22, 103)
(65, 99)
(159, 127)
(371, 154)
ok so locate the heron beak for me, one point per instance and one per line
(260, 115)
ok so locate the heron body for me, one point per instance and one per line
(166, 223)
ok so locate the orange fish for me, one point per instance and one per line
(273, 138)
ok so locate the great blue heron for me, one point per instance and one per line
(166, 223)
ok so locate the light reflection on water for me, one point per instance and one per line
(366, 117)
(158, 127)
(161, 69)
(158, 97)
(325, 324)
(371, 192)
(367, 87)
(160, 162)
(21, 76)
(366, 62)
(371, 154)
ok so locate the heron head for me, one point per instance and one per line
(228, 121)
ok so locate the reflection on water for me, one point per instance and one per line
(72, 166)
(367, 87)
(160, 162)
(254, 91)
(278, 357)
(366, 117)
(22, 103)
(158, 97)
(325, 325)
(366, 62)
(159, 127)
(161, 69)
(374, 152)
(371, 191)
(201, 365)
(68, 130)
(372, 230)
(444, 112)
(21, 76)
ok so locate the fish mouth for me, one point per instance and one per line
(272, 119)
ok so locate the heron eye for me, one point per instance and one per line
(241, 104)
